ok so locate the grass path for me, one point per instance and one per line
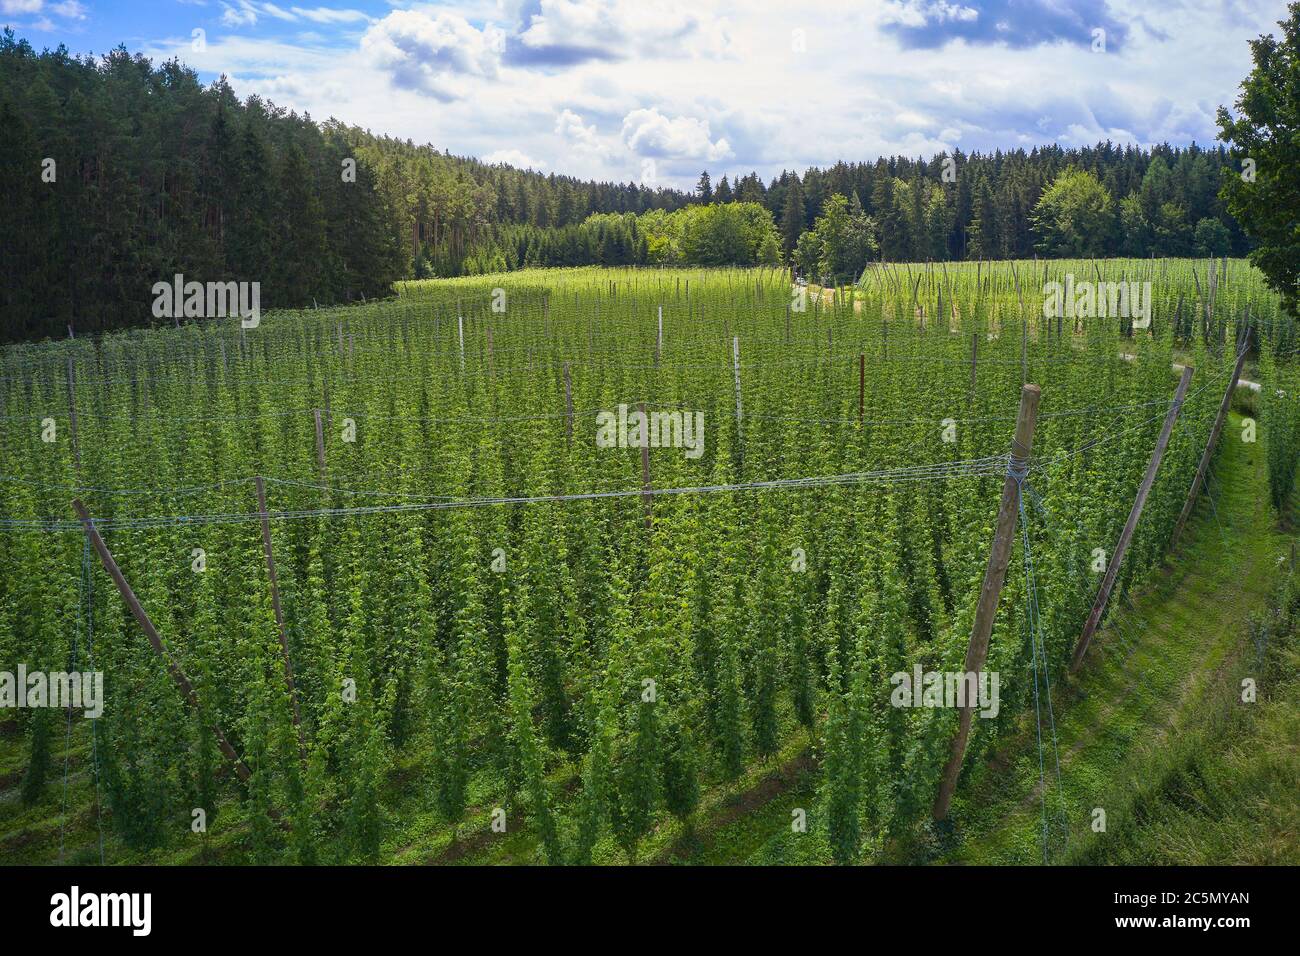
(1158, 656)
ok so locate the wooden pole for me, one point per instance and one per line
(460, 325)
(1112, 568)
(1210, 446)
(568, 402)
(994, 577)
(72, 416)
(646, 496)
(279, 614)
(142, 618)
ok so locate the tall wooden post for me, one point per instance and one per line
(279, 614)
(994, 577)
(1210, 445)
(460, 326)
(1113, 566)
(142, 618)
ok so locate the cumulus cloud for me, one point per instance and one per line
(650, 133)
(570, 128)
(513, 157)
(928, 24)
(427, 54)
(565, 32)
(890, 76)
(21, 6)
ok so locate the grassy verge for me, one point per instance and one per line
(1153, 733)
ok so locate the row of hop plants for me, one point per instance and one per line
(558, 660)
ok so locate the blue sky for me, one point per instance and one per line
(655, 90)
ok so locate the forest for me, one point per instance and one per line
(146, 173)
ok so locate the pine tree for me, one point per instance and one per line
(792, 218)
(704, 188)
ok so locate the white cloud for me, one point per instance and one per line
(656, 91)
(247, 12)
(650, 133)
(614, 29)
(68, 9)
(917, 13)
(65, 10)
(271, 10)
(433, 54)
(328, 15)
(570, 128)
(245, 15)
(513, 157)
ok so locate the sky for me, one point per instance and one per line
(655, 91)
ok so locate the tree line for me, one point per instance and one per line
(116, 174)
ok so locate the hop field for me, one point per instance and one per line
(501, 622)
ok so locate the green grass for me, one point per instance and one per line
(1153, 708)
